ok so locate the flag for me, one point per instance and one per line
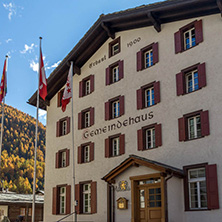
(67, 94)
(3, 87)
(42, 78)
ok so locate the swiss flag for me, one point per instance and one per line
(42, 78)
(3, 86)
(67, 95)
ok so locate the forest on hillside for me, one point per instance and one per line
(17, 163)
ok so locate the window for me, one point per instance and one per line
(86, 86)
(188, 36)
(61, 199)
(86, 118)
(62, 158)
(59, 98)
(149, 137)
(194, 125)
(22, 211)
(201, 187)
(63, 127)
(115, 145)
(148, 95)
(114, 47)
(147, 56)
(30, 212)
(114, 72)
(86, 195)
(191, 79)
(86, 153)
(114, 108)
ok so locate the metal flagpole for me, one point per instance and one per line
(36, 136)
(73, 151)
(3, 112)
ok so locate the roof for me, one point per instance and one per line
(107, 25)
(20, 198)
(134, 160)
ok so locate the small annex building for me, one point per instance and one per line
(147, 118)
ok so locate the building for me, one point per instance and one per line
(147, 125)
(14, 205)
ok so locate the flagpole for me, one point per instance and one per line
(36, 136)
(73, 151)
(3, 112)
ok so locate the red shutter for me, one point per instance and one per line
(93, 198)
(158, 135)
(58, 129)
(182, 129)
(156, 92)
(198, 31)
(180, 84)
(121, 69)
(212, 187)
(81, 89)
(205, 128)
(178, 42)
(107, 147)
(59, 99)
(122, 144)
(78, 198)
(54, 200)
(121, 103)
(79, 154)
(108, 76)
(91, 151)
(92, 116)
(107, 110)
(139, 61)
(155, 53)
(140, 139)
(202, 75)
(57, 160)
(68, 199)
(80, 120)
(67, 157)
(92, 83)
(68, 125)
(139, 94)
(186, 190)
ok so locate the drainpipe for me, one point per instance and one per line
(112, 202)
(166, 201)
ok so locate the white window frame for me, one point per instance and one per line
(63, 159)
(150, 139)
(115, 146)
(115, 74)
(148, 55)
(189, 32)
(197, 181)
(87, 87)
(86, 154)
(87, 198)
(149, 98)
(115, 109)
(197, 133)
(115, 48)
(62, 200)
(193, 85)
(64, 127)
(86, 119)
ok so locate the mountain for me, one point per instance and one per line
(17, 165)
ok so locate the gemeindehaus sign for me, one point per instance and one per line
(118, 125)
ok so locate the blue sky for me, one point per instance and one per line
(61, 23)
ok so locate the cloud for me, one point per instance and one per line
(11, 8)
(28, 48)
(34, 66)
(8, 40)
(42, 113)
(54, 65)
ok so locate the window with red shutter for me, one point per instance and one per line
(191, 79)
(188, 36)
(147, 56)
(148, 95)
(62, 158)
(86, 153)
(59, 98)
(86, 86)
(63, 126)
(114, 72)
(114, 47)
(86, 118)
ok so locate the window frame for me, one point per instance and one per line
(150, 141)
(59, 127)
(112, 44)
(61, 195)
(90, 80)
(109, 80)
(59, 97)
(84, 193)
(82, 123)
(59, 158)
(81, 153)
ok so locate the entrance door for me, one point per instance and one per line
(150, 202)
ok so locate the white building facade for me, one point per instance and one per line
(147, 127)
